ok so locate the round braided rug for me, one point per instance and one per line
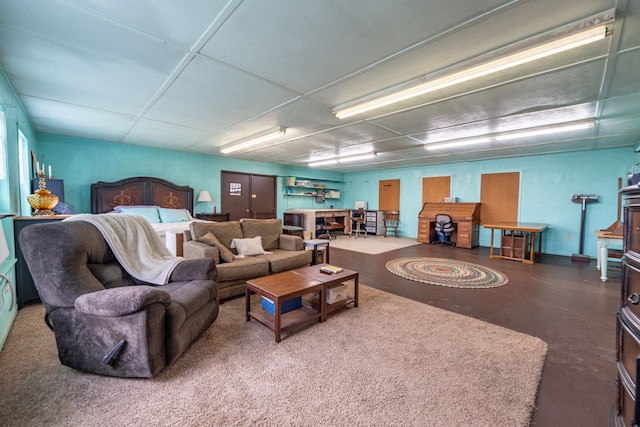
(446, 272)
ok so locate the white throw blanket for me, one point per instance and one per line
(136, 245)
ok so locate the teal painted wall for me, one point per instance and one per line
(546, 185)
(81, 162)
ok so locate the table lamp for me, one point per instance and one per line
(205, 196)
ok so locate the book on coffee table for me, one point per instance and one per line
(330, 269)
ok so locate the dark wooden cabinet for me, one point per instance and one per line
(625, 412)
(217, 217)
(25, 288)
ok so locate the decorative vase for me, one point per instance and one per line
(42, 200)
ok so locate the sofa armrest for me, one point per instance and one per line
(192, 269)
(195, 249)
(120, 301)
(290, 243)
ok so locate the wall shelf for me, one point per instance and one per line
(310, 188)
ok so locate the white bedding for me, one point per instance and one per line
(169, 224)
(175, 227)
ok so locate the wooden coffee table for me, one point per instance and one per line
(282, 287)
(288, 285)
(328, 280)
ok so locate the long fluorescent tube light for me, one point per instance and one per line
(255, 140)
(523, 133)
(528, 55)
(345, 159)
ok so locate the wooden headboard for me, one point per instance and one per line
(140, 190)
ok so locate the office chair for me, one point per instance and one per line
(360, 220)
(444, 228)
(330, 224)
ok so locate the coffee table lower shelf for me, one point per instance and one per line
(288, 320)
(315, 304)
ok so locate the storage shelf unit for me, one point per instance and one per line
(302, 187)
(374, 222)
(514, 245)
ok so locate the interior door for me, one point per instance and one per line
(389, 195)
(263, 196)
(248, 196)
(499, 197)
(435, 189)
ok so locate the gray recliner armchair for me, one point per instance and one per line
(106, 322)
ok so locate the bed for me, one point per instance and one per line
(167, 206)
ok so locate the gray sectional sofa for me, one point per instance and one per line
(215, 240)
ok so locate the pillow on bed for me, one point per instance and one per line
(211, 240)
(174, 215)
(249, 247)
(150, 213)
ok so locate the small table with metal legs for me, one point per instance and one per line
(314, 244)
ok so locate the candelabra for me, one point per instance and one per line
(42, 201)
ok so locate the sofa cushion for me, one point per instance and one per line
(211, 240)
(281, 260)
(243, 268)
(224, 231)
(248, 247)
(269, 229)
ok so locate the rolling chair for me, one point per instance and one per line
(444, 228)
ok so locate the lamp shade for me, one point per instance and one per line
(204, 196)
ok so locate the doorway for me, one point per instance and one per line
(248, 195)
(389, 195)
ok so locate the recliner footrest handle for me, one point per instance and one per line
(110, 357)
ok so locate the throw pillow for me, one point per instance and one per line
(174, 215)
(249, 247)
(150, 213)
(211, 240)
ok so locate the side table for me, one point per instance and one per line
(217, 217)
(314, 244)
(602, 256)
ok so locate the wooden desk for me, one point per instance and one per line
(518, 239)
(343, 216)
(466, 217)
(604, 239)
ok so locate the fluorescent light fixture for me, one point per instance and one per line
(505, 136)
(254, 140)
(345, 159)
(421, 87)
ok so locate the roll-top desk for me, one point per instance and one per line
(466, 216)
(628, 321)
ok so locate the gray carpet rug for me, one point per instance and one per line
(389, 362)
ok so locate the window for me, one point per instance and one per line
(3, 148)
(25, 181)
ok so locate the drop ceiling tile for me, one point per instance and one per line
(211, 96)
(164, 135)
(55, 118)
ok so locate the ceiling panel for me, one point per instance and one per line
(196, 75)
(178, 23)
(57, 118)
(209, 95)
